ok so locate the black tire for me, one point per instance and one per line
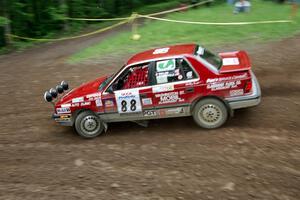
(210, 113)
(88, 124)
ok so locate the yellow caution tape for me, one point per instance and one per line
(68, 38)
(216, 23)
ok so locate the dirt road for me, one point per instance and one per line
(255, 156)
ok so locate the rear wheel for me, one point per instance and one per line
(88, 124)
(210, 113)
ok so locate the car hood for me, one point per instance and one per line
(83, 90)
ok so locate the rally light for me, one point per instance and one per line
(48, 96)
(65, 85)
(59, 89)
(53, 92)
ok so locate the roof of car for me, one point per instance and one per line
(169, 51)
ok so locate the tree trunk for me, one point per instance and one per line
(7, 27)
(65, 22)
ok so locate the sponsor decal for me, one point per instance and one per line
(192, 83)
(170, 97)
(87, 103)
(162, 112)
(108, 103)
(147, 101)
(224, 82)
(98, 94)
(161, 79)
(223, 85)
(75, 104)
(238, 92)
(200, 51)
(189, 75)
(161, 51)
(174, 111)
(66, 105)
(166, 65)
(149, 113)
(78, 100)
(162, 88)
(168, 73)
(98, 102)
(227, 78)
(231, 61)
(181, 92)
(63, 110)
(65, 116)
(128, 101)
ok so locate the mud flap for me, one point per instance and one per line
(105, 126)
(143, 123)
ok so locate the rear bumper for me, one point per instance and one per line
(249, 100)
(63, 119)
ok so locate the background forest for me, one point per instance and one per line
(42, 18)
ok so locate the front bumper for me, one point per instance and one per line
(250, 100)
(63, 119)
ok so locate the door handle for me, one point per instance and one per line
(189, 90)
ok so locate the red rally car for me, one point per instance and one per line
(175, 81)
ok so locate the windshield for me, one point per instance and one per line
(211, 58)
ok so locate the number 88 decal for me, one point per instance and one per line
(132, 105)
(128, 101)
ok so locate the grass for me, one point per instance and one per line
(157, 33)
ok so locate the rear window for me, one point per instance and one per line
(209, 57)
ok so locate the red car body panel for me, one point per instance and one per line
(172, 51)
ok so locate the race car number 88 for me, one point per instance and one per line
(132, 105)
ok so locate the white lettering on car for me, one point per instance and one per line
(171, 97)
(87, 103)
(78, 100)
(223, 85)
(66, 105)
(63, 110)
(147, 101)
(162, 88)
(231, 61)
(161, 51)
(98, 102)
(227, 78)
(238, 92)
(149, 113)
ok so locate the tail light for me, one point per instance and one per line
(248, 86)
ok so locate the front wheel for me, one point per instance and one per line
(210, 113)
(88, 124)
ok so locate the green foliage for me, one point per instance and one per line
(41, 19)
(3, 21)
(158, 33)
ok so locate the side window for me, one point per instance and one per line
(173, 70)
(133, 77)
